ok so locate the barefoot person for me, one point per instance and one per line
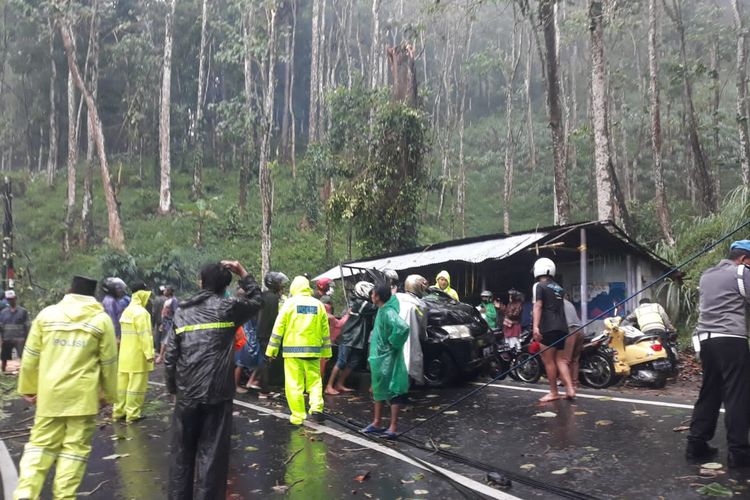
(550, 327)
(353, 339)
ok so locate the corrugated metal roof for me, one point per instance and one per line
(475, 252)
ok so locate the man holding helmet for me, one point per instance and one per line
(550, 328)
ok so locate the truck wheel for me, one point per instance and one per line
(597, 371)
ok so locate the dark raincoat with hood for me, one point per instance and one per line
(199, 362)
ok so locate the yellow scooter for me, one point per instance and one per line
(624, 351)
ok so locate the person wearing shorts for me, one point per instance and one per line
(550, 328)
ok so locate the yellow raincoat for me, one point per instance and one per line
(69, 362)
(450, 291)
(136, 358)
(301, 332)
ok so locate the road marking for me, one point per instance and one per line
(7, 471)
(593, 396)
(360, 441)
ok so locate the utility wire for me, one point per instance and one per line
(603, 314)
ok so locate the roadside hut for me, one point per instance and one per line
(597, 263)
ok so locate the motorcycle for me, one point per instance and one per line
(624, 351)
(517, 362)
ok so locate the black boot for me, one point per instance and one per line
(699, 450)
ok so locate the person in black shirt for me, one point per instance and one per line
(550, 328)
(275, 283)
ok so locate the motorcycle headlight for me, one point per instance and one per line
(457, 331)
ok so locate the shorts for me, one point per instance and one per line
(6, 354)
(549, 338)
(348, 357)
(401, 399)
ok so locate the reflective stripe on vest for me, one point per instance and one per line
(204, 326)
(304, 349)
(741, 280)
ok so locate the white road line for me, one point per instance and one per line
(593, 396)
(7, 471)
(360, 441)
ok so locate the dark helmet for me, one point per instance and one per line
(112, 285)
(275, 281)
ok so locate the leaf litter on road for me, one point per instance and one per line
(546, 414)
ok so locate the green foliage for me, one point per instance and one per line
(119, 264)
(383, 197)
(695, 236)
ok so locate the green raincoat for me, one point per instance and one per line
(490, 314)
(390, 377)
(450, 291)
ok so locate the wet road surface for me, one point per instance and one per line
(601, 447)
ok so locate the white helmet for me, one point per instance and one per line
(544, 267)
(391, 276)
(362, 289)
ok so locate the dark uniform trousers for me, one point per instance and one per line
(726, 378)
(200, 450)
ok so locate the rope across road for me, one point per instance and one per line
(602, 315)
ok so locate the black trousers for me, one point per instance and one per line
(200, 451)
(726, 378)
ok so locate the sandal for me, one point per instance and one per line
(371, 429)
(388, 434)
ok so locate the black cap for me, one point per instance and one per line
(82, 285)
(138, 286)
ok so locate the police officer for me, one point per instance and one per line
(70, 359)
(301, 334)
(721, 339)
(136, 359)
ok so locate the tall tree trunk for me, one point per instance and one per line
(554, 111)
(284, 138)
(315, 75)
(461, 191)
(165, 190)
(247, 71)
(375, 49)
(72, 160)
(323, 54)
(715, 103)
(266, 187)
(662, 208)
(510, 146)
(87, 207)
(197, 126)
(116, 235)
(599, 109)
(742, 108)
(52, 156)
(290, 102)
(703, 177)
(529, 110)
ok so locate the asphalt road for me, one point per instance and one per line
(607, 444)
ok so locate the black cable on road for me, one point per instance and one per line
(604, 314)
(475, 464)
